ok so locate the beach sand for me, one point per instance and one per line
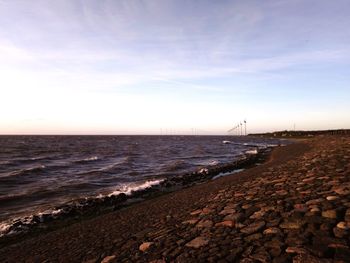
(293, 208)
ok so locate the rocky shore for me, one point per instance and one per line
(294, 208)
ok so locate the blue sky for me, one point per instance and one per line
(139, 67)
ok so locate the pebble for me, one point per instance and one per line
(108, 259)
(332, 198)
(145, 246)
(197, 242)
(330, 214)
(228, 223)
(254, 227)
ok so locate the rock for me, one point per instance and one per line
(227, 211)
(347, 215)
(314, 201)
(296, 250)
(196, 212)
(197, 242)
(272, 231)
(108, 259)
(145, 246)
(307, 258)
(295, 224)
(342, 190)
(340, 232)
(274, 243)
(261, 256)
(254, 227)
(205, 223)
(228, 223)
(191, 221)
(332, 197)
(315, 210)
(238, 217)
(343, 225)
(300, 207)
(330, 214)
(253, 237)
(206, 211)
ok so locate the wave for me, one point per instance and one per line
(89, 159)
(176, 165)
(128, 189)
(24, 171)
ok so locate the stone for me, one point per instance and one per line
(347, 215)
(253, 237)
(196, 212)
(108, 259)
(254, 227)
(332, 197)
(191, 221)
(296, 250)
(205, 223)
(295, 224)
(342, 190)
(145, 246)
(272, 231)
(238, 217)
(339, 232)
(197, 242)
(343, 225)
(228, 223)
(330, 214)
(303, 258)
(314, 201)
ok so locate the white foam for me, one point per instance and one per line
(228, 173)
(93, 158)
(128, 189)
(252, 151)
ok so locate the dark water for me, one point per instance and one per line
(40, 172)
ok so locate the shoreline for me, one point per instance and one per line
(293, 208)
(87, 208)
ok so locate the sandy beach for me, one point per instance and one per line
(293, 208)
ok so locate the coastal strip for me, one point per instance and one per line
(293, 208)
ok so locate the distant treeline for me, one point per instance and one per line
(287, 133)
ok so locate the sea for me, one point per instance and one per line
(38, 173)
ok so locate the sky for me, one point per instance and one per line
(173, 67)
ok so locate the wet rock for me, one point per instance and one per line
(272, 231)
(237, 217)
(205, 223)
(253, 237)
(254, 227)
(315, 201)
(340, 232)
(190, 222)
(261, 256)
(347, 215)
(145, 246)
(108, 259)
(295, 224)
(332, 197)
(296, 250)
(330, 214)
(303, 258)
(343, 225)
(197, 242)
(228, 223)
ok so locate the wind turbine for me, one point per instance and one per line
(245, 127)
